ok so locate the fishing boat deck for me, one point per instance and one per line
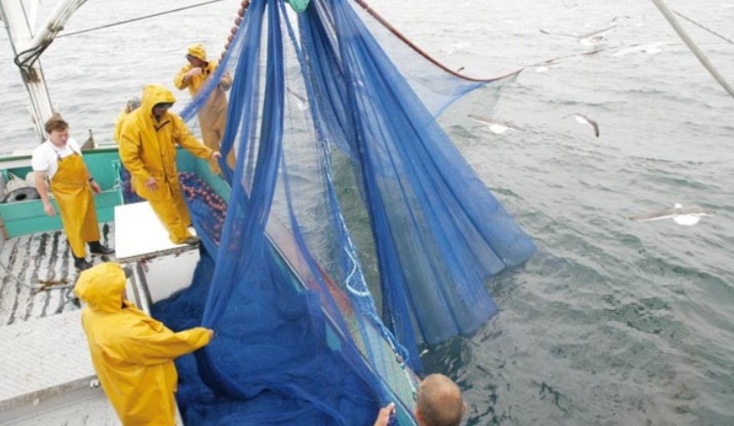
(41, 275)
(47, 377)
(41, 266)
(47, 374)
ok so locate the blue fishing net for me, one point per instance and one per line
(346, 196)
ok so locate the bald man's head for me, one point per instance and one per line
(439, 402)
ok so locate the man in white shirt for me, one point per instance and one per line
(59, 160)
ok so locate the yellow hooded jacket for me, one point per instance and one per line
(132, 353)
(213, 114)
(148, 147)
(217, 103)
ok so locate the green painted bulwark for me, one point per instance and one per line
(27, 217)
(188, 163)
(299, 5)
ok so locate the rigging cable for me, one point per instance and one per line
(420, 51)
(703, 27)
(140, 18)
(691, 45)
(382, 21)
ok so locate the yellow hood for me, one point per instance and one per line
(154, 94)
(197, 51)
(101, 287)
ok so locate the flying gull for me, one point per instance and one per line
(580, 118)
(650, 49)
(586, 39)
(494, 126)
(688, 216)
(544, 65)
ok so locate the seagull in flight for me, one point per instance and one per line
(494, 126)
(582, 119)
(650, 49)
(586, 39)
(544, 65)
(688, 216)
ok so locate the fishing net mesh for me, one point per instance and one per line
(354, 232)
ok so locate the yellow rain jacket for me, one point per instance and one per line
(132, 353)
(148, 149)
(213, 115)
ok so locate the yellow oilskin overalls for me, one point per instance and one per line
(148, 149)
(132, 353)
(213, 115)
(76, 203)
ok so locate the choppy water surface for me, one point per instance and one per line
(612, 322)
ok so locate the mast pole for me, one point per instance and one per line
(20, 34)
(28, 48)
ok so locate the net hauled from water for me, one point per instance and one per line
(346, 196)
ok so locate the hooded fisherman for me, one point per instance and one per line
(131, 352)
(148, 142)
(59, 159)
(131, 105)
(213, 114)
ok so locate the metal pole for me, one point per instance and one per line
(691, 45)
(20, 35)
